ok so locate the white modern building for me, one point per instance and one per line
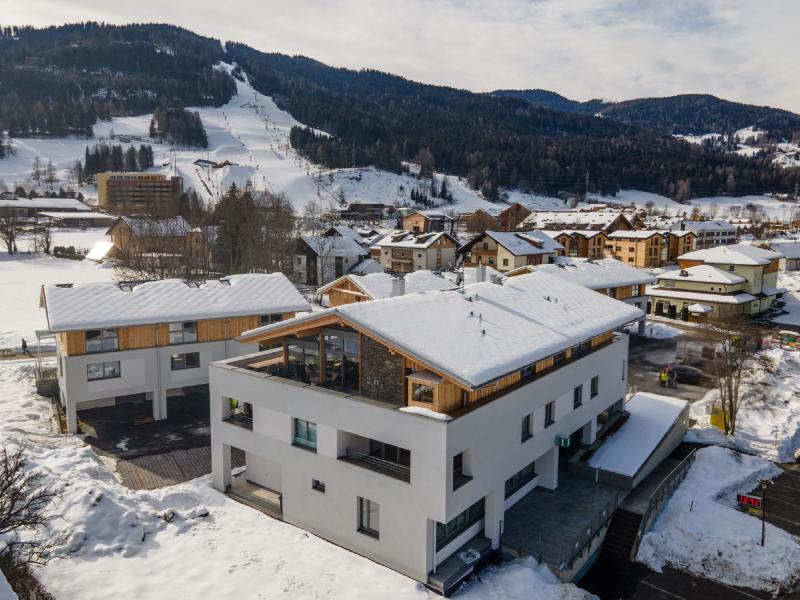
(717, 232)
(403, 429)
(140, 348)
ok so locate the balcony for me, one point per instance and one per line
(379, 465)
(241, 416)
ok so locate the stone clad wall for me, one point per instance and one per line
(381, 372)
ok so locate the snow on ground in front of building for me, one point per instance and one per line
(21, 278)
(80, 239)
(656, 331)
(790, 281)
(701, 531)
(768, 423)
(190, 541)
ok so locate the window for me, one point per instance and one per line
(305, 434)
(342, 360)
(577, 397)
(421, 392)
(317, 485)
(103, 370)
(730, 268)
(611, 292)
(520, 478)
(505, 262)
(595, 386)
(368, 517)
(189, 360)
(624, 364)
(634, 290)
(183, 332)
(446, 533)
(267, 319)
(101, 340)
(526, 371)
(526, 429)
(630, 259)
(560, 358)
(459, 476)
(549, 414)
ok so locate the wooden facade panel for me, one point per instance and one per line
(72, 342)
(137, 337)
(211, 330)
(238, 325)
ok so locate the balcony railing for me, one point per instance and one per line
(241, 417)
(379, 465)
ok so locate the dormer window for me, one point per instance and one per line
(423, 387)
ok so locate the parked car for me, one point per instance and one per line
(692, 375)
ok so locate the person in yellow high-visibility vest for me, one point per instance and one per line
(663, 377)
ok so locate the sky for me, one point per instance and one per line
(742, 50)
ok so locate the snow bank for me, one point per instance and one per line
(768, 423)
(523, 579)
(656, 331)
(700, 531)
(426, 412)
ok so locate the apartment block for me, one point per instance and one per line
(642, 248)
(139, 193)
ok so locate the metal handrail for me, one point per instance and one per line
(240, 415)
(379, 464)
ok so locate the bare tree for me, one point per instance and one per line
(737, 344)
(43, 238)
(24, 503)
(9, 229)
(36, 171)
(50, 177)
(312, 215)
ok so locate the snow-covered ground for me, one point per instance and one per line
(790, 281)
(702, 532)
(21, 279)
(656, 331)
(768, 423)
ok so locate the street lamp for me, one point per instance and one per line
(765, 483)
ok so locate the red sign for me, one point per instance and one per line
(749, 501)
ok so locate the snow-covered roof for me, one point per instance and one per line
(598, 274)
(367, 266)
(713, 225)
(148, 226)
(470, 274)
(737, 298)
(44, 203)
(681, 233)
(490, 329)
(788, 249)
(100, 250)
(703, 274)
(406, 239)
(97, 305)
(700, 309)
(639, 234)
(379, 285)
(432, 214)
(348, 232)
(578, 218)
(333, 246)
(77, 214)
(627, 449)
(737, 254)
(587, 233)
(525, 243)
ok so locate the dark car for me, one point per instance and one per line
(692, 375)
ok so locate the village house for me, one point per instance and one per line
(580, 243)
(606, 220)
(138, 351)
(716, 232)
(149, 234)
(404, 251)
(642, 248)
(507, 250)
(790, 249)
(717, 282)
(429, 221)
(376, 286)
(29, 208)
(417, 429)
(321, 259)
(679, 243)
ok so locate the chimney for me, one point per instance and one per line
(398, 287)
(480, 273)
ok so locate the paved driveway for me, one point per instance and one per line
(646, 358)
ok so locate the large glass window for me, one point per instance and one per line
(421, 392)
(520, 478)
(183, 332)
(549, 414)
(303, 360)
(103, 370)
(189, 360)
(342, 358)
(368, 517)
(269, 319)
(101, 340)
(305, 434)
(446, 533)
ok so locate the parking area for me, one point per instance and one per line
(160, 470)
(647, 356)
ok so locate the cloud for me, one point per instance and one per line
(616, 49)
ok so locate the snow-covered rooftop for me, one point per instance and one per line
(406, 239)
(700, 309)
(490, 329)
(703, 274)
(639, 234)
(147, 226)
(525, 243)
(97, 305)
(738, 298)
(600, 218)
(651, 417)
(598, 274)
(100, 250)
(348, 232)
(713, 225)
(788, 249)
(587, 233)
(44, 203)
(737, 254)
(379, 285)
(333, 246)
(77, 214)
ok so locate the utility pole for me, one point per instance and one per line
(765, 483)
(587, 183)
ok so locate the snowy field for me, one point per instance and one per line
(790, 281)
(768, 423)
(702, 532)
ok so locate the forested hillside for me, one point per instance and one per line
(683, 114)
(59, 80)
(381, 119)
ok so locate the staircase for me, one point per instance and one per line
(621, 536)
